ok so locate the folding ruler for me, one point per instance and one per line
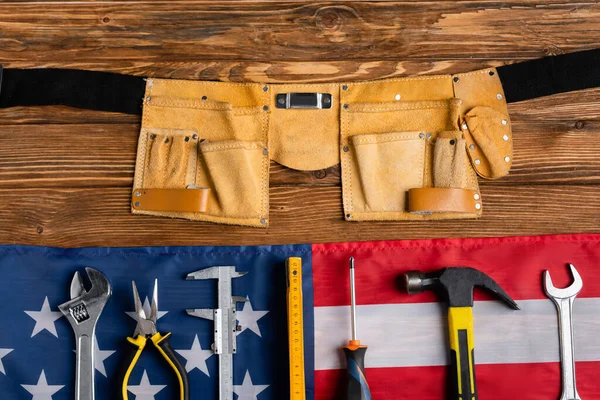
(295, 327)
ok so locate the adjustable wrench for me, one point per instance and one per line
(563, 299)
(83, 311)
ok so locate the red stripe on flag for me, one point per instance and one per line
(516, 263)
(494, 381)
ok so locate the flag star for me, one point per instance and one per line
(3, 352)
(44, 319)
(100, 356)
(196, 357)
(248, 318)
(248, 391)
(42, 391)
(146, 307)
(145, 391)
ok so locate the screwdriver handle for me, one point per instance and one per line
(358, 388)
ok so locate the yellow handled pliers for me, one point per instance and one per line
(146, 331)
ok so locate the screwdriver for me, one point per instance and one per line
(358, 388)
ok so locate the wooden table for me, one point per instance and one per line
(66, 174)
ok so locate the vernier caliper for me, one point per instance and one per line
(226, 327)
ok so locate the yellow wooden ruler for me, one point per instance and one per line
(295, 327)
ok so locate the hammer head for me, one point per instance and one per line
(456, 284)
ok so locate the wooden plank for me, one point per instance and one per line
(100, 217)
(271, 71)
(555, 147)
(289, 31)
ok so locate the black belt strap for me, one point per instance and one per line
(104, 91)
(93, 90)
(550, 75)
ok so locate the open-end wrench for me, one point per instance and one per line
(83, 311)
(563, 299)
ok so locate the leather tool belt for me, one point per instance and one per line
(410, 148)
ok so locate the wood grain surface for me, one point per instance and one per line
(66, 174)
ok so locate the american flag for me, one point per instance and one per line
(37, 343)
(516, 352)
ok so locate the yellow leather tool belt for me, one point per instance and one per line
(410, 148)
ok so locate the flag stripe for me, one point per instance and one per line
(409, 335)
(539, 381)
(516, 263)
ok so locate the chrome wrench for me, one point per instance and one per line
(83, 312)
(564, 299)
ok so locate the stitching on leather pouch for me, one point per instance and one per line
(403, 79)
(144, 136)
(486, 71)
(264, 182)
(348, 162)
(245, 146)
(220, 83)
(190, 103)
(250, 110)
(279, 86)
(146, 150)
(141, 162)
(427, 145)
(266, 120)
(383, 140)
(391, 108)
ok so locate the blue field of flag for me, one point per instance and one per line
(37, 359)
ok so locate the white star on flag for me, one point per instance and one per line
(146, 307)
(44, 319)
(196, 357)
(248, 391)
(145, 391)
(100, 356)
(42, 391)
(3, 352)
(248, 318)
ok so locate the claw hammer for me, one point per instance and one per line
(456, 285)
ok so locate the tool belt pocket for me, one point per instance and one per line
(387, 165)
(181, 175)
(201, 157)
(406, 161)
(237, 174)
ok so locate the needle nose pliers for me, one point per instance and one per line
(146, 331)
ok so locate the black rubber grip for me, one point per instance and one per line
(128, 356)
(177, 366)
(463, 374)
(358, 388)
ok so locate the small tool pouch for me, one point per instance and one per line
(485, 122)
(403, 155)
(202, 153)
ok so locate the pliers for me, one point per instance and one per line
(146, 331)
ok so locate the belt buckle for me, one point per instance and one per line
(304, 100)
